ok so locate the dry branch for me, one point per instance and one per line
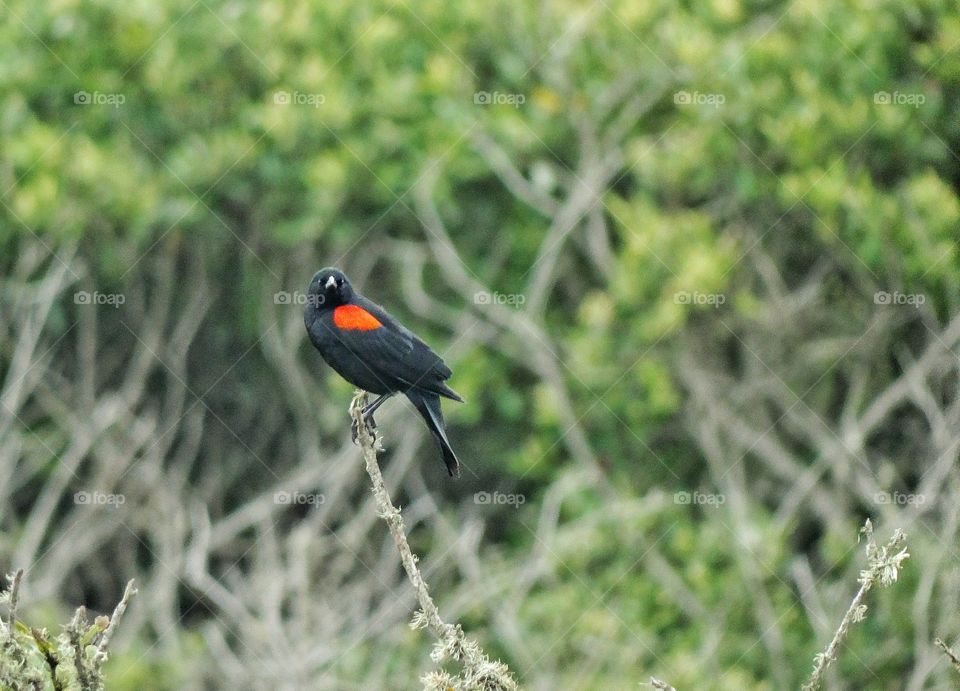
(479, 673)
(883, 568)
(948, 651)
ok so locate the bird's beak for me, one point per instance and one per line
(331, 282)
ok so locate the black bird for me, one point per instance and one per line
(374, 352)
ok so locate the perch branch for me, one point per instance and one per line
(479, 672)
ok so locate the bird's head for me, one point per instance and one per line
(329, 288)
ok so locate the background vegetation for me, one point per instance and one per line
(694, 266)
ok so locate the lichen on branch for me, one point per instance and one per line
(477, 672)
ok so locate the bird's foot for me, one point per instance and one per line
(355, 431)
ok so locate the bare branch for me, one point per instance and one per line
(479, 672)
(14, 598)
(118, 612)
(884, 564)
(948, 651)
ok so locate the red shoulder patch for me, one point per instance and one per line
(354, 318)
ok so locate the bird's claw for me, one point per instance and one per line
(355, 431)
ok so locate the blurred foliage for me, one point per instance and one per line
(204, 161)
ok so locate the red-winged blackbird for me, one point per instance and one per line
(374, 352)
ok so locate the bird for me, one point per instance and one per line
(374, 352)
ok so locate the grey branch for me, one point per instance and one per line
(479, 672)
(14, 597)
(948, 651)
(883, 568)
(118, 611)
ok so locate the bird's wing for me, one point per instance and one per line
(420, 355)
(390, 350)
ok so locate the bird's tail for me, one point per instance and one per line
(428, 404)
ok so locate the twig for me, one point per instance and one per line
(31, 659)
(479, 672)
(948, 651)
(74, 631)
(14, 598)
(118, 611)
(40, 636)
(883, 568)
